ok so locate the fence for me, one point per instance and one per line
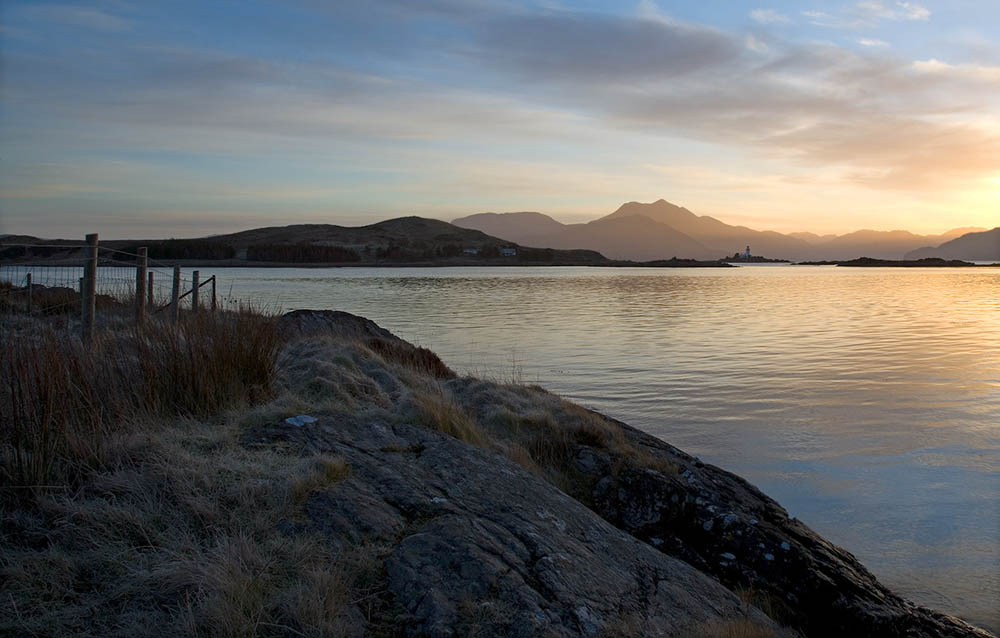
(150, 287)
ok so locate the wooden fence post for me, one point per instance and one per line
(141, 264)
(214, 306)
(90, 288)
(149, 291)
(175, 294)
(27, 289)
(194, 291)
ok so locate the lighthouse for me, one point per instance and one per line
(746, 255)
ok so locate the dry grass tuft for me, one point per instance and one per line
(739, 628)
(420, 360)
(490, 618)
(439, 411)
(323, 471)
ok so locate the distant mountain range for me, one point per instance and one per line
(661, 230)
(975, 246)
(635, 232)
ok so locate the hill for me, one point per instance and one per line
(405, 240)
(522, 228)
(400, 230)
(976, 246)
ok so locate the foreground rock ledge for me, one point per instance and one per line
(477, 541)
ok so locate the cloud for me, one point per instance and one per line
(565, 46)
(756, 45)
(867, 14)
(974, 72)
(870, 42)
(769, 16)
(507, 79)
(912, 11)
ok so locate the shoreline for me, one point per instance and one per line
(431, 468)
(192, 263)
(661, 263)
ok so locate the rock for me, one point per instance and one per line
(478, 544)
(815, 586)
(332, 323)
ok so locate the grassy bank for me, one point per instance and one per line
(134, 503)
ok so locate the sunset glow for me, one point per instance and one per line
(193, 118)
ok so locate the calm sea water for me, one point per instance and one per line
(866, 401)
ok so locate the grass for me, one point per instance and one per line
(63, 400)
(439, 411)
(52, 300)
(177, 536)
(739, 628)
(420, 360)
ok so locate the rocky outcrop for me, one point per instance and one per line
(724, 526)
(654, 542)
(479, 546)
(298, 324)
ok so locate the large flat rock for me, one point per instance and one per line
(478, 542)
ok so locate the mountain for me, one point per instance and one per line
(721, 238)
(880, 244)
(634, 237)
(516, 227)
(955, 233)
(811, 238)
(699, 237)
(694, 236)
(975, 246)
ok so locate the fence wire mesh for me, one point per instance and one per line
(56, 288)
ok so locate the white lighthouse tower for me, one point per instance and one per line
(746, 255)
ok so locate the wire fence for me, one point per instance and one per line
(57, 288)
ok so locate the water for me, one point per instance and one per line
(866, 401)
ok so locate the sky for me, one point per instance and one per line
(176, 119)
